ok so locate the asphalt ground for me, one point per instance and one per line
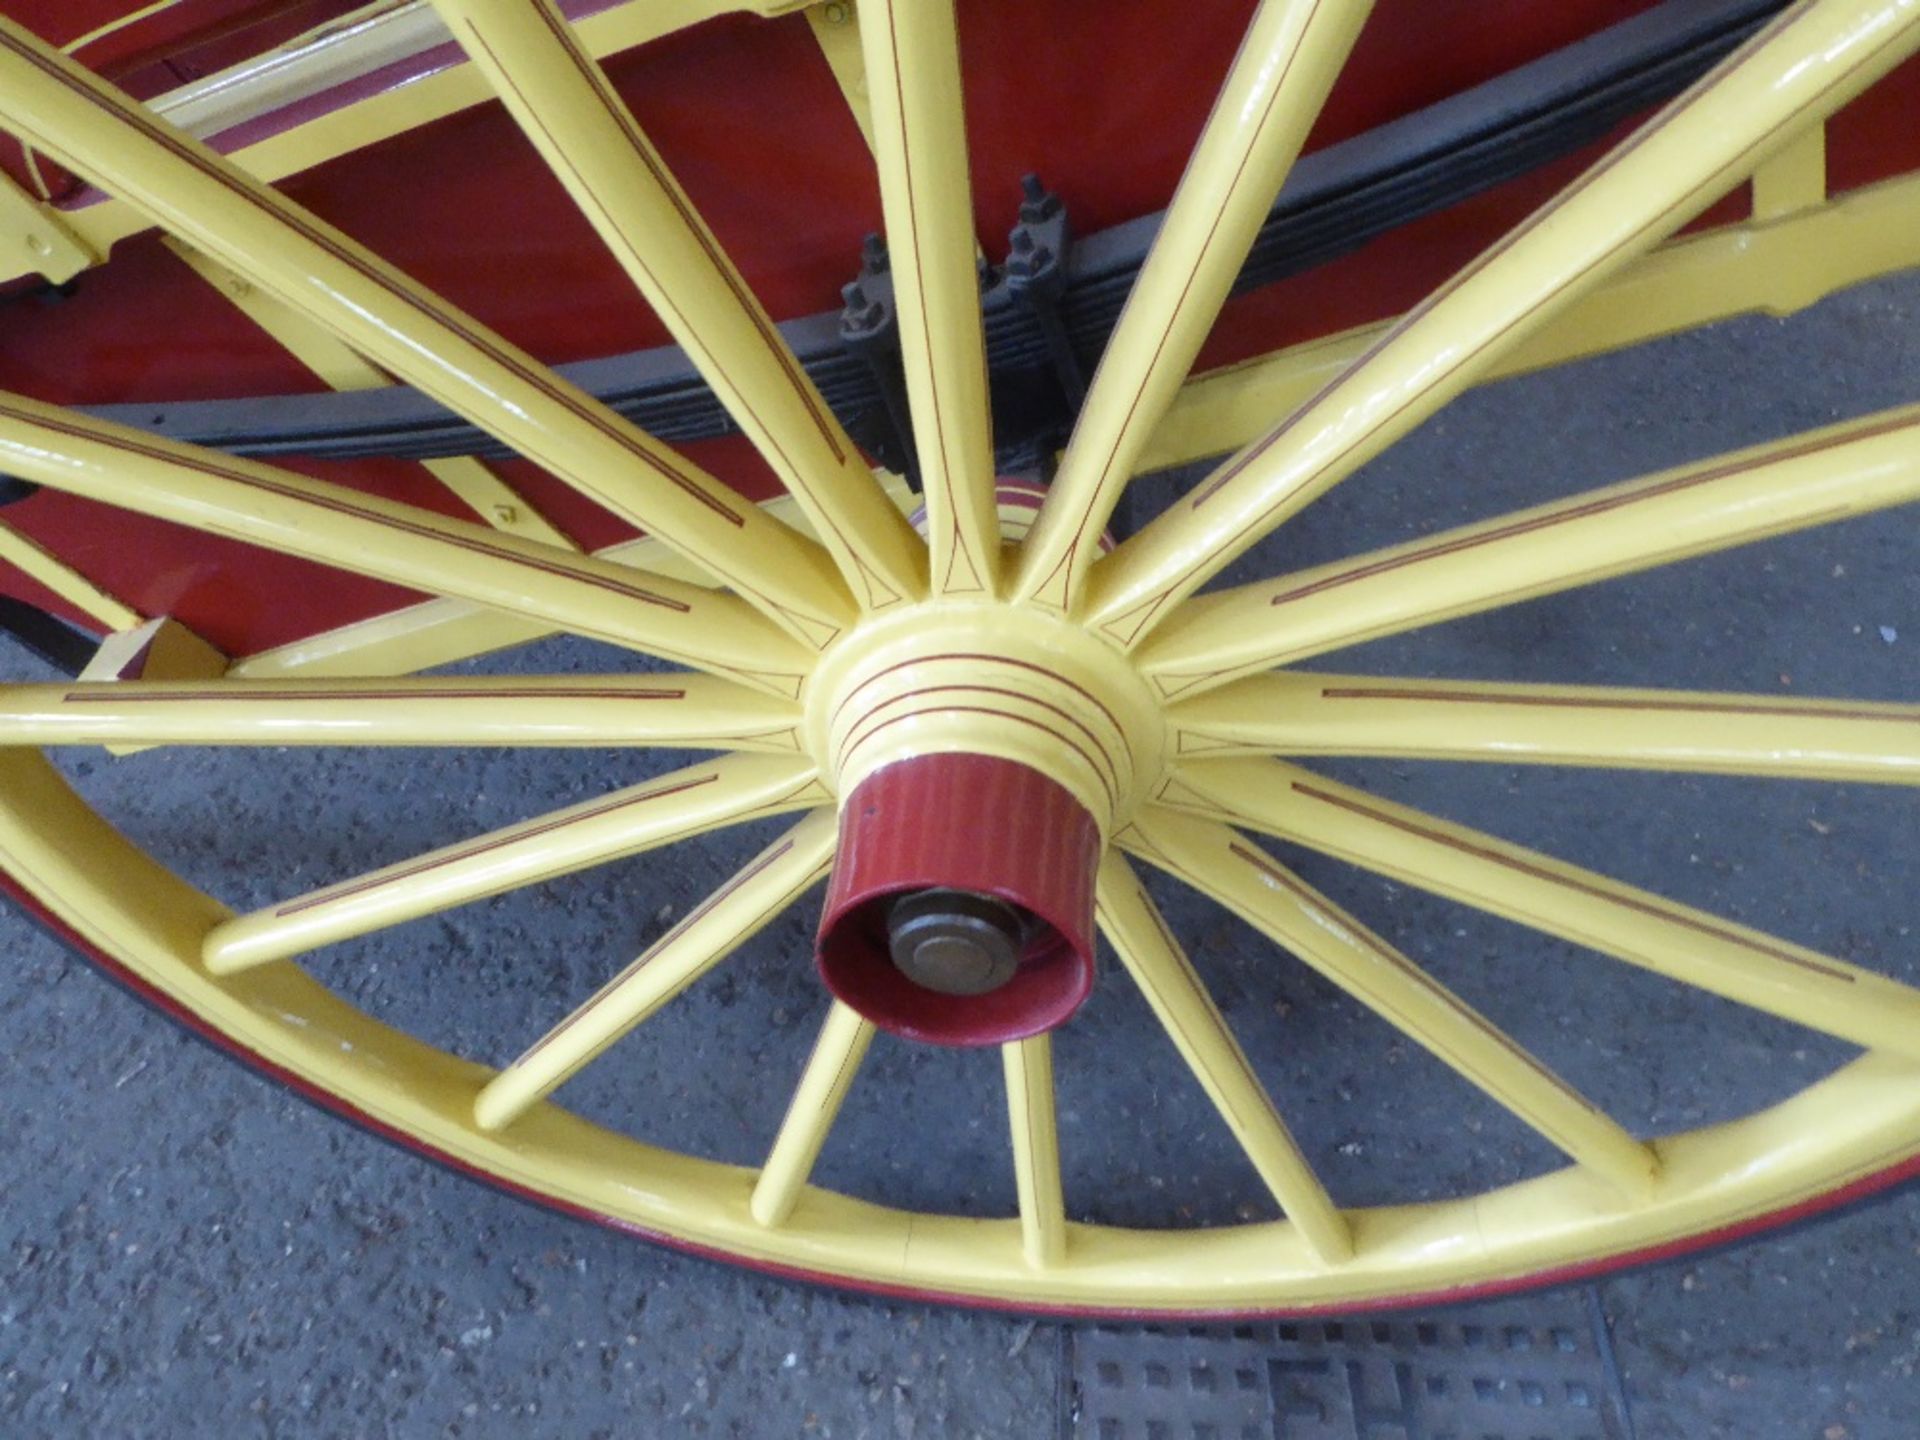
(186, 1250)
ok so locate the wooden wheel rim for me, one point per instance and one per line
(1171, 755)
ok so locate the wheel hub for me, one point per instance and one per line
(982, 753)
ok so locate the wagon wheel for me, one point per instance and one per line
(1090, 705)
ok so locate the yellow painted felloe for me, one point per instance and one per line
(1792, 74)
(1292, 51)
(1864, 1118)
(1151, 725)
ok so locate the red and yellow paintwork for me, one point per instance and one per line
(749, 115)
(829, 655)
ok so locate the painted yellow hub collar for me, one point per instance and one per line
(985, 678)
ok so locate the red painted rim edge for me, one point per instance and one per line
(1862, 1188)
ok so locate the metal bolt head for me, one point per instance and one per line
(954, 941)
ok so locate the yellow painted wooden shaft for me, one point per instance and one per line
(836, 31)
(580, 125)
(1755, 494)
(823, 1087)
(701, 939)
(1796, 71)
(443, 632)
(677, 710)
(1036, 1149)
(1301, 713)
(1280, 905)
(1793, 179)
(246, 500)
(389, 31)
(41, 566)
(1292, 51)
(1139, 935)
(35, 238)
(1684, 944)
(920, 145)
(211, 204)
(1778, 267)
(341, 367)
(627, 821)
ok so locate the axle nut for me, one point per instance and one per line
(954, 941)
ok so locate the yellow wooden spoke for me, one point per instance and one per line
(678, 710)
(342, 368)
(245, 500)
(1300, 713)
(1134, 927)
(1777, 267)
(640, 817)
(810, 1115)
(705, 936)
(210, 203)
(1803, 67)
(1769, 490)
(562, 100)
(1684, 944)
(832, 645)
(446, 632)
(41, 566)
(1292, 51)
(920, 145)
(1217, 862)
(1036, 1149)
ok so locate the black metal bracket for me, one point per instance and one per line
(870, 332)
(1034, 405)
(1036, 277)
(61, 645)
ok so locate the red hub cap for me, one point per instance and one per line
(961, 906)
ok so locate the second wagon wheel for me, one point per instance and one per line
(985, 723)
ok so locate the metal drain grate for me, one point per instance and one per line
(1534, 1369)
